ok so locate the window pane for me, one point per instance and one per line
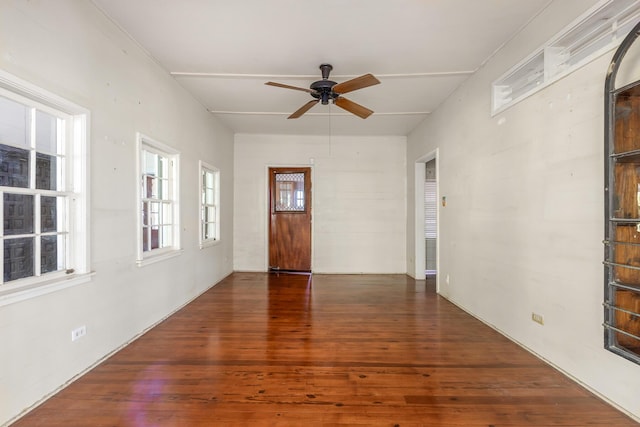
(148, 184)
(18, 258)
(46, 133)
(209, 180)
(150, 163)
(210, 214)
(209, 197)
(299, 199)
(155, 182)
(14, 122)
(210, 231)
(46, 172)
(18, 214)
(48, 214)
(163, 167)
(49, 250)
(145, 213)
(145, 239)
(162, 189)
(154, 214)
(155, 237)
(166, 236)
(14, 166)
(166, 213)
(155, 188)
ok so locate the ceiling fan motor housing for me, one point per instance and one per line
(323, 90)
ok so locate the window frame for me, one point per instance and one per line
(146, 143)
(203, 168)
(75, 191)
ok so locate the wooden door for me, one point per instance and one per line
(290, 219)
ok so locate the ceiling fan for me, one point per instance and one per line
(326, 90)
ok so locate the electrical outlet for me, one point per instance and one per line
(538, 318)
(78, 333)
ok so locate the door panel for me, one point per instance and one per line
(290, 219)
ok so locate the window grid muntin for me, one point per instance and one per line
(62, 124)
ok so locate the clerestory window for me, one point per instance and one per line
(595, 33)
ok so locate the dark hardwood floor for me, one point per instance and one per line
(296, 350)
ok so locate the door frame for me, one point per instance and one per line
(420, 253)
(267, 206)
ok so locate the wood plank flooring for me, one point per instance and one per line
(326, 350)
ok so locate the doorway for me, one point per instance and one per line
(426, 197)
(290, 219)
(430, 218)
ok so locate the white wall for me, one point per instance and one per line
(523, 225)
(69, 48)
(358, 200)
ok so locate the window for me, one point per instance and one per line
(42, 190)
(159, 214)
(598, 31)
(289, 192)
(209, 204)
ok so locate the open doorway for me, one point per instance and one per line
(430, 219)
(426, 219)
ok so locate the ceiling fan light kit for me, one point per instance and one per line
(326, 90)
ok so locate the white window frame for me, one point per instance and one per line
(207, 168)
(596, 32)
(146, 143)
(75, 190)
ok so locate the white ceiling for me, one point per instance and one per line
(223, 51)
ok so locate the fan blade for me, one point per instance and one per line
(300, 111)
(289, 87)
(352, 107)
(354, 84)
